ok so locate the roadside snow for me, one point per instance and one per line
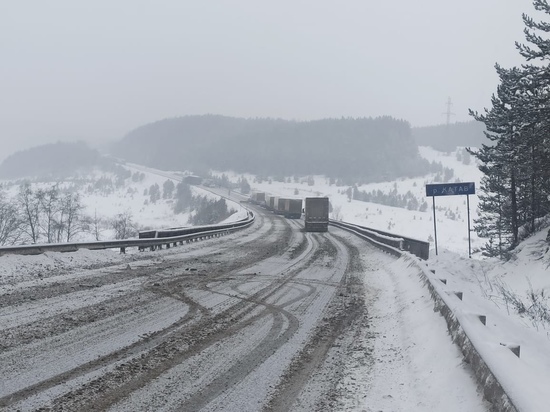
(525, 379)
(414, 365)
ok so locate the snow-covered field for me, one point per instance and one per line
(490, 288)
(452, 234)
(106, 201)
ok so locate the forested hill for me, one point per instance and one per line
(447, 138)
(369, 149)
(57, 159)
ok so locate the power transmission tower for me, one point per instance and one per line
(448, 113)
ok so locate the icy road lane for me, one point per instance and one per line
(269, 318)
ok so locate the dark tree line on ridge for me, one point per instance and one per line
(370, 149)
(50, 160)
(515, 189)
(446, 138)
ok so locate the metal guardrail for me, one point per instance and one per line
(192, 234)
(390, 242)
(493, 391)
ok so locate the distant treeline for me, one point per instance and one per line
(50, 160)
(447, 138)
(370, 149)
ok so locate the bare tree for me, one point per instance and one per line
(10, 222)
(123, 225)
(95, 225)
(49, 207)
(29, 207)
(70, 221)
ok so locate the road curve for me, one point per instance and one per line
(264, 319)
(184, 329)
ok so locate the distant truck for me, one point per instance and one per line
(316, 214)
(258, 198)
(292, 208)
(270, 202)
(279, 206)
(192, 180)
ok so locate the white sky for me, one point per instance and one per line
(95, 70)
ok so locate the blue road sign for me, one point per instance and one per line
(451, 189)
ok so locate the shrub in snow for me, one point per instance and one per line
(534, 306)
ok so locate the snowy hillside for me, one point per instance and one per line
(127, 190)
(451, 214)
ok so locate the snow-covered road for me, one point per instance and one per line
(269, 318)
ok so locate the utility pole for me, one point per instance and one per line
(448, 113)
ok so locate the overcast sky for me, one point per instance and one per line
(95, 70)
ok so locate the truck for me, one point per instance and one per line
(292, 208)
(270, 202)
(279, 206)
(192, 180)
(316, 214)
(257, 198)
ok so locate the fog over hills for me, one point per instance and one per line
(370, 149)
(352, 149)
(49, 160)
(446, 138)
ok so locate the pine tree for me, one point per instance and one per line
(537, 81)
(499, 164)
(516, 166)
(168, 189)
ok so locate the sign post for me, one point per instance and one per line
(469, 241)
(435, 224)
(452, 189)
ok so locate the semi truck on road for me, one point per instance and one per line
(316, 214)
(292, 208)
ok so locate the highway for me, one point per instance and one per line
(267, 318)
(217, 323)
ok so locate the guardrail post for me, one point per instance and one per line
(514, 348)
(123, 250)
